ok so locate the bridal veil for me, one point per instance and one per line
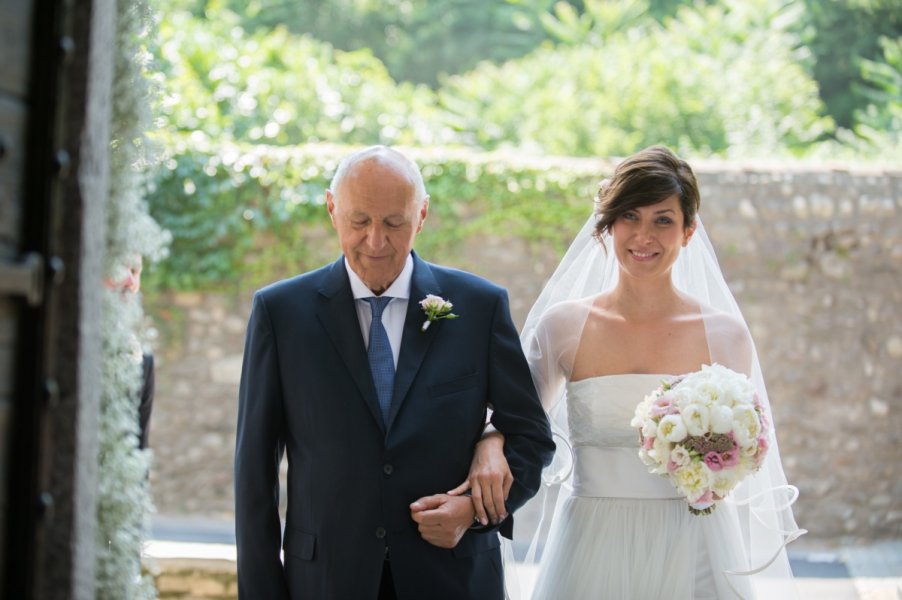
(550, 338)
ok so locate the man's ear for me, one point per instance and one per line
(424, 210)
(330, 206)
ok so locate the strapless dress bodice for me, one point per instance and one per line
(605, 446)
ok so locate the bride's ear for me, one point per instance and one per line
(687, 233)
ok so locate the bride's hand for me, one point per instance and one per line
(489, 481)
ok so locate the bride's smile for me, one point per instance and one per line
(648, 239)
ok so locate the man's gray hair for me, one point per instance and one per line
(387, 156)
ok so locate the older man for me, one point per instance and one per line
(378, 414)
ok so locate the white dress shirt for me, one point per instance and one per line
(394, 314)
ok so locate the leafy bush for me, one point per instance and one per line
(277, 88)
(880, 123)
(725, 79)
(245, 215)
(840, 35)
(416, 39)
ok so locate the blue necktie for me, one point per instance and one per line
(379, 353)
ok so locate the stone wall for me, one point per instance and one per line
(814, 257)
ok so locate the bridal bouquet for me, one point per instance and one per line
(705, 431)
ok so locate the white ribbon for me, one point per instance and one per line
(788, 535)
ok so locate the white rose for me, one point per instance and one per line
(682, 396)
(672, 428)
(746, 426)
(693, 479)
(721, 419)
(660, 452)
(696, 418)
(680, 456)
(649, 428)
(709, 392)
(432, 301)
(723, 482)
(641, 414)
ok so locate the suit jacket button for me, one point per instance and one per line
(380, 532)
(388, 469)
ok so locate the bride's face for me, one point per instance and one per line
(647, 239)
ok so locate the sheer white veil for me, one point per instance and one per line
(762, 503)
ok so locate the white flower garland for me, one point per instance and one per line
(123, 494)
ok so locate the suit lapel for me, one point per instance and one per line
(414, 341)
(338, 315)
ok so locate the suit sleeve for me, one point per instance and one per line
(258, 451)
(517, 412)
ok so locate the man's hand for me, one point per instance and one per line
(489, 481)
(443, 519)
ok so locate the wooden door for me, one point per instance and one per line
(42, 81)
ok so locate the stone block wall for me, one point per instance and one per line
(195, 579)
(814, 257)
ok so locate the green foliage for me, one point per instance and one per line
(224, 205)
(722, 79)
(840, 35)
(880, 123)
(246, 109)
(596, 22)
(246, 215)
(276, 88)
(416, 39)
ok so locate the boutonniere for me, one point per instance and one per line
(435, 308)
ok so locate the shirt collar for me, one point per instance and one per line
(400, 287)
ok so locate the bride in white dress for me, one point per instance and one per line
(639, 297)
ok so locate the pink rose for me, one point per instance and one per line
(762, 450)
(661, 406)
(730, 458)
(672, 466)
(648, 443)
(765, 422)
(714, 461)
(705, 498)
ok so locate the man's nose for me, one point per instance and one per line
(375, 237)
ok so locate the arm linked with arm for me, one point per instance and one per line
(517, 412)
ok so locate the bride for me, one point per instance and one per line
(637, 298)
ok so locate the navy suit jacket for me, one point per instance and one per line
(306, 390)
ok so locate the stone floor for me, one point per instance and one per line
(194, 559)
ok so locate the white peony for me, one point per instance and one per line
(693, 480)
(696, 417)
(660, 452)
(746, 426)
(721, 418)
(672, 428)
(723, 482)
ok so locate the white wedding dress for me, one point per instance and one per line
(618, 532)
(624, 533)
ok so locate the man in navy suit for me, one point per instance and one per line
(377, 414)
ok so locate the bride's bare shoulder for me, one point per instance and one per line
(729, 339)
(723, 321)
(566, 310)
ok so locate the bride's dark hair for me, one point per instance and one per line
(647, 177)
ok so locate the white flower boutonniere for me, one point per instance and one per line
(436, 308)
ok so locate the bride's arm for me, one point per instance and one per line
(490, 477)
(489, 480)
